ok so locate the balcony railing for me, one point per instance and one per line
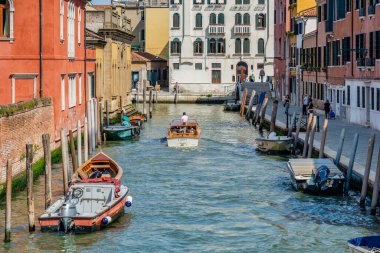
(242, 29)
(216, 29)
(371, 10)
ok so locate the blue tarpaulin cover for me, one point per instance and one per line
(368, 241)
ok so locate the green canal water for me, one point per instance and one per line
(220, 197)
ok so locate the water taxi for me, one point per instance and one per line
(365, 244)
(94, 200)
(184, 134)
(274, 143)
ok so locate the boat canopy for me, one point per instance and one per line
(179, 123)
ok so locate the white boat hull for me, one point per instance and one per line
(277, 145)
(182, 142)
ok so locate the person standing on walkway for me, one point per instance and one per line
(327, 108)
(287, 104)
(310, 107)
(305, 104)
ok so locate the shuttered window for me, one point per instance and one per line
(377, 43)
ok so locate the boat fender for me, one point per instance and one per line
(128, 203)
(106, 220)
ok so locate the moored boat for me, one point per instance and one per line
(365, 244)
(117, 133)
(316, 176)
(274, 143)
(232, 105)
(184, 134)
(94, 200)
(137, 120)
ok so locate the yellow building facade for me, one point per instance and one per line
(157, 32)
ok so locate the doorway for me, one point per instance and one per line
(241, 71)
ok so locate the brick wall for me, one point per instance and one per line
(20, 129)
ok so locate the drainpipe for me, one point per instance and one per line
(85, 59)
(267, 27)
(41, 85)
(352, 38)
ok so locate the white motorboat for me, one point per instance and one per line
(184, 134)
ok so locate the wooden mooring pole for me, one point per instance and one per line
(306, 141)
(85, 139)
(367, 170)
(375, 194)
(72, 151)
(312, 134)
(262, 116)
(323, 140)
(292, 123)
(65, 161)
(150, 102)
(29, 179)
(8, 203)
(248, 115)
(107, 114)
(144, 98)
(351, 164)
(79, 144)
(273, 116)
(47, 158)
(340, 147)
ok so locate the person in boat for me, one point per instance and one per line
(184, 118)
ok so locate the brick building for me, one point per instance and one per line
(46, 58)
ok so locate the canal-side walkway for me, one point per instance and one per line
(333, 134)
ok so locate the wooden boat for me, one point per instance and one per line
(274, 143)
(365, 244)
(316, 176)
(118, 133)
(95, 199)
(232, 106)
(184, 134)
(137, 120)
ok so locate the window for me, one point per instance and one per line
(378, 99)
(79, 25)
(142, 15)
(198, 66)
(175, 1)
(216, 65)
(80, 88)
(348, 95)
(175, 65)
(246, 19)
(363, 97)
(238, 19)
(63, 97)
(72, 91)
(176, 21)
(246, 46)
(212, 19)
(372, 98)
(377, 43)
(260, 21)
(238, 46)
(346, 53)
(260, 46)
(198, 46)
(61, 14)
(142, 35)
(198, 2)
(198, 20)
(221, 48)
(360, 48)
(221, 19)
(319, 13)
(261, 1)
(176, 46)
(212, 46)
(216, 76)
(357, 96)
(71, 30)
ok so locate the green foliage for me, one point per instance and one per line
(9, 110)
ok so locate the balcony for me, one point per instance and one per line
(371, 10)
(242, 30)
(216, 30)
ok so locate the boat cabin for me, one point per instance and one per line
(180, 129)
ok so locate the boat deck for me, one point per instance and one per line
(302, 169)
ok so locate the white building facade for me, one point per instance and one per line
(213, 43)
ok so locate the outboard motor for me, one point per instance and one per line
(322, 177)
(66, 223)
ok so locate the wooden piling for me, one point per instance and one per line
(375, 194)
(273, 116)
(293, 121)
(312, 133)
(29, 179)
(93, 125)
(79, 143)
(262, 116)
(72, 151)
(65, 161)
(89, 127)
(256, 116)
(323, 140)
(107, 113)
(144, 98)
(156, 98)
(8, 203)
(306, 141)
(150, 103)
(248, 115)
(244, 100)
(351, 164)
(298, 130)
(340, 147)
(85, 139)
(47, 158)
(367, 170)
(101, 122)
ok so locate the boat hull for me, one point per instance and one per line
(183, 142)
(83, 224)
(120, 134)
(267, 145)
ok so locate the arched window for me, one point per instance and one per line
(246, 46)
(238, 20)
(71, 29)
(238, 46)
(261, 1)
(260, 21)
(247, 1)
(212, 46)
(221, 19)
(260, 46)
(221, 47)
(198, 20)
(79, 24)
(246, 19)
(175, 46)
(198, 46)
(176, 20)
(61, 14)
(212, 19)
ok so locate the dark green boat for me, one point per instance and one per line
(119, 133)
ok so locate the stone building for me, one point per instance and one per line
(214, 43)
(113, 53)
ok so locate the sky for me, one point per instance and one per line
(101, 1)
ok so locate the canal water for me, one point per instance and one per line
(220, 197)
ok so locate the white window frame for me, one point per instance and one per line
(61, 15)
(80, 88)
(79, 24)
(63, 96)
(71, 30)
(72, 91)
